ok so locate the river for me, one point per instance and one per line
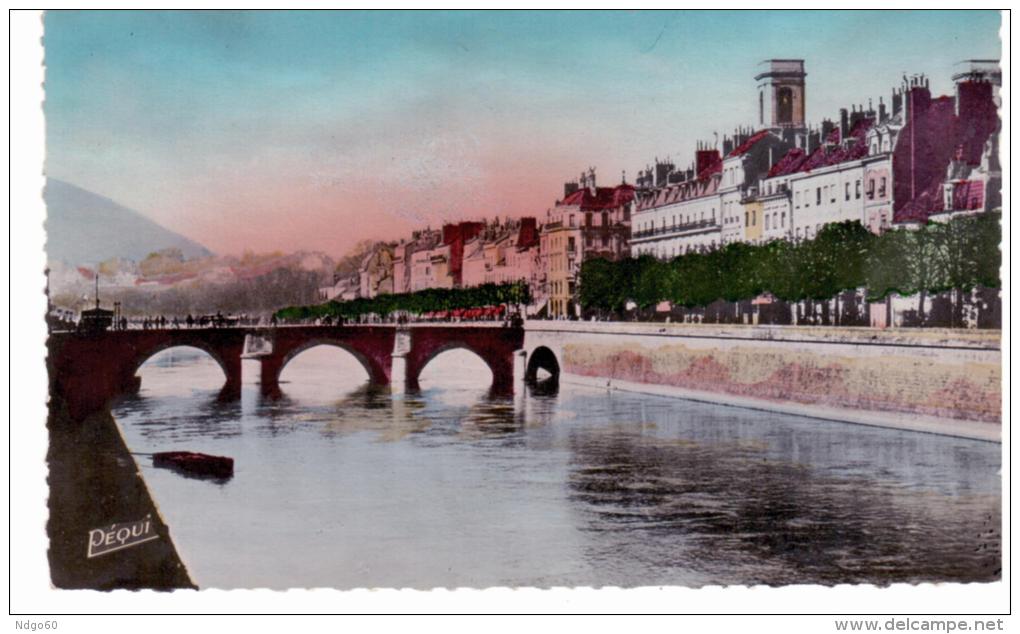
(343, 486)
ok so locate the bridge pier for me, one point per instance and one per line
(520, 367)
(398, 361)
(231, 364)
(269, 375)
(398, 373)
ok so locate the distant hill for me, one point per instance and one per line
(86, 228)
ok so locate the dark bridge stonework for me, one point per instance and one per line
(90, 369)
(495, 345)
(371, 345)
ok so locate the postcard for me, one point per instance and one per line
(523, 299)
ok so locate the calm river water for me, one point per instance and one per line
(337, 485)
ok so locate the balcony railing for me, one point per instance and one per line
(688, 226)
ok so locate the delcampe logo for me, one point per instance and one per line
(120, 536)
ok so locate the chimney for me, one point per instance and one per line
(827, 127)
(844, 123)
(705, 159)
(814, 139)
(917, 99)
(727, 145)
(662, 171)
(975, 97)
(527, 235)
(882, 114)
(569, 188)
(856, 117)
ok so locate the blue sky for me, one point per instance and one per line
(311, 130)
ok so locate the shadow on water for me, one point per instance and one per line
(200, 415)
(544, 387)
(184, 473)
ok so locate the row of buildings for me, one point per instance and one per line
(914, 159)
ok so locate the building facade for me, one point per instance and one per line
(590, 222)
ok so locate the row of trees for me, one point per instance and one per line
(420, 302)
(958, 255)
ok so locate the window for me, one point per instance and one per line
(571, 220)
(857, 188)
(796, 199)
(818, 195)
(766, 222)
(848, 191)
(747, 219)
(587, 219)
(871, 189)
(881, 188)
(605, 218)
(754, 218)
(784, 220)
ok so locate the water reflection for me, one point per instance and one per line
(740, 515)
(341, 484)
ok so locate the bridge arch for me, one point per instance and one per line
(495, 346)
(144, 356)
(449, 347)
(372, 348)
(375, 372)
(227, 356)
(542, 358)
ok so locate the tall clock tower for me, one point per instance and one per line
(781, 93)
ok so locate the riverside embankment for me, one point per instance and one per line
(934, 380)
(94, 483)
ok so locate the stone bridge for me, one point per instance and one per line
(90, 369)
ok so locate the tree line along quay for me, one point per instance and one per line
(955, 257)
(823, 280)
(488, 301)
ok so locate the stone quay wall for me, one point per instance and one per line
(945, 381)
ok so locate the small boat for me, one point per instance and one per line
(194, 463)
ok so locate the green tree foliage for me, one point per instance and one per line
(648, 281)
(739, 271)
(602, 285)
(958, 255)
(887, 266)
(417, 303)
